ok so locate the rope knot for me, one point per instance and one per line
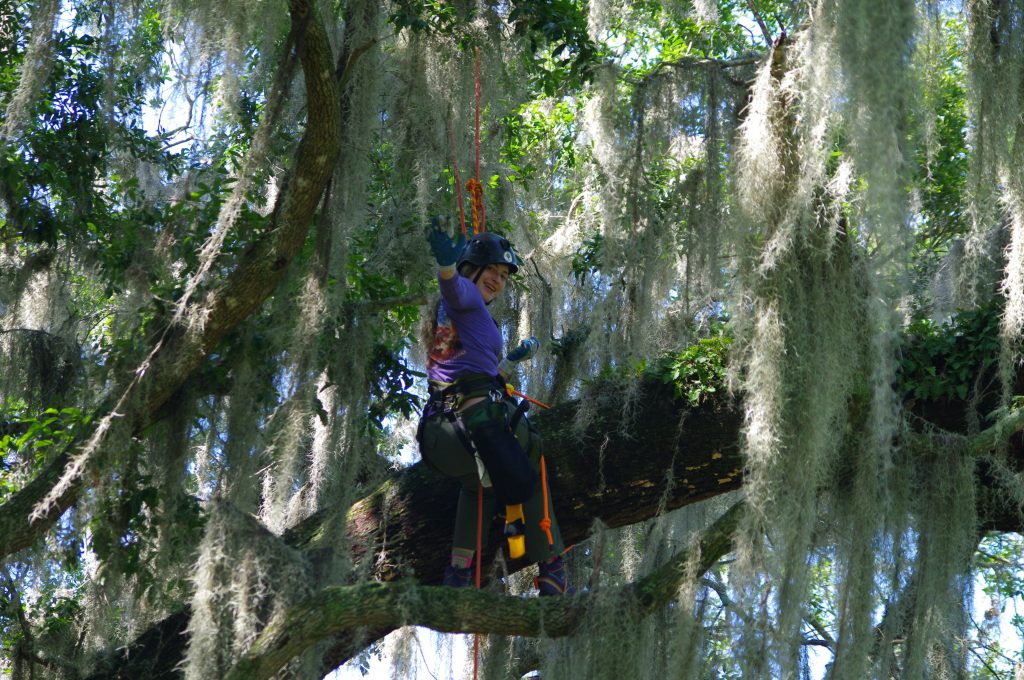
(476, 195)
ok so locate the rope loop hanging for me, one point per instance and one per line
(476, 197)
(473, 185)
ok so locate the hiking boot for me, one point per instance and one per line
(458, 577)
(552, 579)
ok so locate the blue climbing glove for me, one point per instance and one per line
(526, 349)
(445, 251)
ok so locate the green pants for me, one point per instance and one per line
(443, 449)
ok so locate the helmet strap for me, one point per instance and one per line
(476, 277)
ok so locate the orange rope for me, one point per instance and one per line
(476, 195)
(479, 527)
(476, 85)
(528, 398)
(474, 186)
(479, 557)
(545, 522)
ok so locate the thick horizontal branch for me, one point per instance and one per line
(391, 605)
(638, 455)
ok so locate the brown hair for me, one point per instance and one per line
(428, 322)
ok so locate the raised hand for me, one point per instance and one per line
(446, 252)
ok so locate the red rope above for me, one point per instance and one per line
(458, 179)
(477, 189)
(476, 567)
(476, 196)
(476, 90)
(473, 185)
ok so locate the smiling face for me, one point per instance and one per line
(492, 281)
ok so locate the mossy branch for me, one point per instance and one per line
(996, 437)
(401, 603)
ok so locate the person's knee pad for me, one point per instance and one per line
(508, 465)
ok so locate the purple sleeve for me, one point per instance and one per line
(466, 340)
(459, 293)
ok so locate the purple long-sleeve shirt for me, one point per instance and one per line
(466, 341)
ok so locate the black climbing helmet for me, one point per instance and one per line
(488, 248)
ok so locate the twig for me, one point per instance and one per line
(760, 22)
(540, 276)
(696, 62)
(350, 62)
(991, 439)
(423, 656)
(826, 637)
(388, 303)
(19, 610)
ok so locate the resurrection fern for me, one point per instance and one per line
(698, 371)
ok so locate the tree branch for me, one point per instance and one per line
(35, 508)
(768, 39)
(402, 603)
(995, 437)
(619, 469)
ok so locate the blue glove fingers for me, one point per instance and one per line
(445, 252)
(526, 349)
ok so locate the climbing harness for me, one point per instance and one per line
(448, 398)
(486, 430)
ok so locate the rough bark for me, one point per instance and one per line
(633, 459)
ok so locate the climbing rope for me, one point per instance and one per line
(476, 195)
(477, 189)
(476, 566)
(473, 185)
(545, 522)
(519, 394)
